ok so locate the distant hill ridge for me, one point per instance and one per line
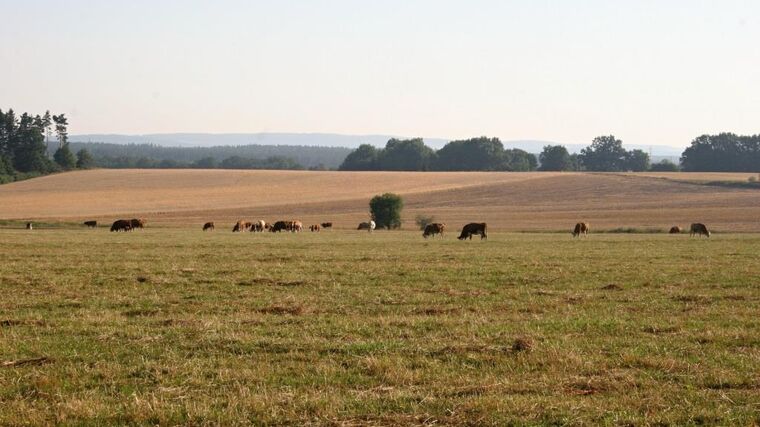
(322, 140)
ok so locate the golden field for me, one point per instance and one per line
(506, 201)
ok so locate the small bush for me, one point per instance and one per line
(386, 210)
(752, 179)
(423, 220)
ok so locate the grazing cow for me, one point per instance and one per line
(121, 225)
(314, 228)
(369, 226)
(675, 229)
(433, 229)
(91, 224)
(326, 225)
(580, 228)
(258, 226)
(699, 229)
(279, 226)
(29, 226)
(137, 223)
(296, 226)
(209, 226)
(241, 226)
(473, 228)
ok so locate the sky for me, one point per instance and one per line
(649, 72)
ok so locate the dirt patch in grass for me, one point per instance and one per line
(141, 312)
(437, 311)
(13, 322)
(659, 330)
(612, 287)
(23, 362)
(282, 309)
(271, 282)
(523, 344)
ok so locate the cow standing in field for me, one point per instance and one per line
(675, 230)
(137, 223)
(258, 226)
(241, 226)
(433, 229)
(580, 228)
(699, 229)
(314, 228)
(209, 226)
(91, 224)
(296, 227)
(279, 226)
(369, 226)
(326, 225)
(473, 228)
(29, 226)
(121, 225)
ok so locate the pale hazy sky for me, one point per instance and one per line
(651, 72)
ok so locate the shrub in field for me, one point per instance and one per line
(386, 210)
(423, 220)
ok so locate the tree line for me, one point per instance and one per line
(24, 146)
(476, 154)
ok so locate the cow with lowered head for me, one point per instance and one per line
(473, 228)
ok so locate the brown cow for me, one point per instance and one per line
(433, 229)
(580, 228)
(473, 228)
(314, 228)
(241, 226)
(296, 226)
(121, 225)
(137, 223)
(326, 225)
(675, 229)
(209, 226)
(91, 224)
(279, 226)
(699, 229)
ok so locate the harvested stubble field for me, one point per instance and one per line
(535, 201)
(174, 326)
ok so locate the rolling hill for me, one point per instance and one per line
(507, 201)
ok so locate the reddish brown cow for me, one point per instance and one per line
(433, 229)
(699, 229)
(209, 226)
(675, 229)
(580, 228)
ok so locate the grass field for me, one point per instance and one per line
(535, 201)
(174, 326)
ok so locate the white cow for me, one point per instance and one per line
(369, 226)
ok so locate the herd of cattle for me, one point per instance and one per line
(430, 230)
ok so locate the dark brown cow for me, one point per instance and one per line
(137, 223)
(121, 225)
(29, 226)
(699, 229)
(209, 226)
(279, 226)
(473, 228)
(91, 224)
(433, 229)
(580, 228)
(314, 228)
(326, 225)
(675, 229)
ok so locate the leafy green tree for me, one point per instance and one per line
(84, 159)
(65, 158)
(406, 155)
(664, 166)
(386, 210)
(725, 152)
(518, 160)
(555, 158)
(475, 154)
(637, 161)
(606, 153)
(364, 158)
